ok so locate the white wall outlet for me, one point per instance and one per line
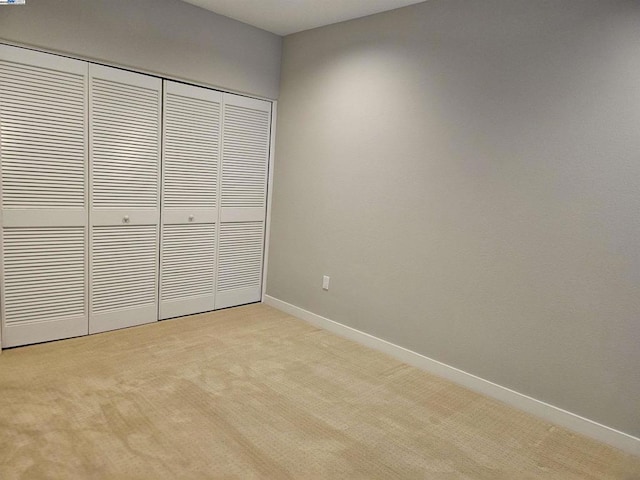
(325, 283)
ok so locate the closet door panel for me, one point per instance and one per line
(191, 147)
(240, 257)
(245, 160)
(44, 284)
(191, 157)
(43, 156)
(123, 275)
(125, 128)
(188, 269)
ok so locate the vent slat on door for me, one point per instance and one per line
(125, 145)
(245, 156)
(124, 267)
(192, 131)
(188, 261)
(44, 273)
(240, 270)
(42, 118)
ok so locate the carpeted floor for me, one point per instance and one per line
(250, 393)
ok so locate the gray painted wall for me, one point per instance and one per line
(167, 37)
(468, 174)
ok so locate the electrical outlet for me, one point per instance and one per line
(325, 283)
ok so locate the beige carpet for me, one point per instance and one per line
(253, 393)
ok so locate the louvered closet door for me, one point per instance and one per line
(43, 153)
(124, 112)
(245, 160)
(190, 165)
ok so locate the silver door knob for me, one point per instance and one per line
(191, 217)
(125, 219)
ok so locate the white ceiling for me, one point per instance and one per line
(289, 16)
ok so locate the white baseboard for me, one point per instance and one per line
(543, 410)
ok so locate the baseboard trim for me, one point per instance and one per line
(545, 411)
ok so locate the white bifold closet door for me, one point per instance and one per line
(191, 157)
(43, 139)
(246, 130)
(124, 131)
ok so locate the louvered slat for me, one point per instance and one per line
(192, 136)
(44, 273)
(124, 267)
(240, 255)
(188, 261)
(245, 156)
(42, 137)
(125, 134)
